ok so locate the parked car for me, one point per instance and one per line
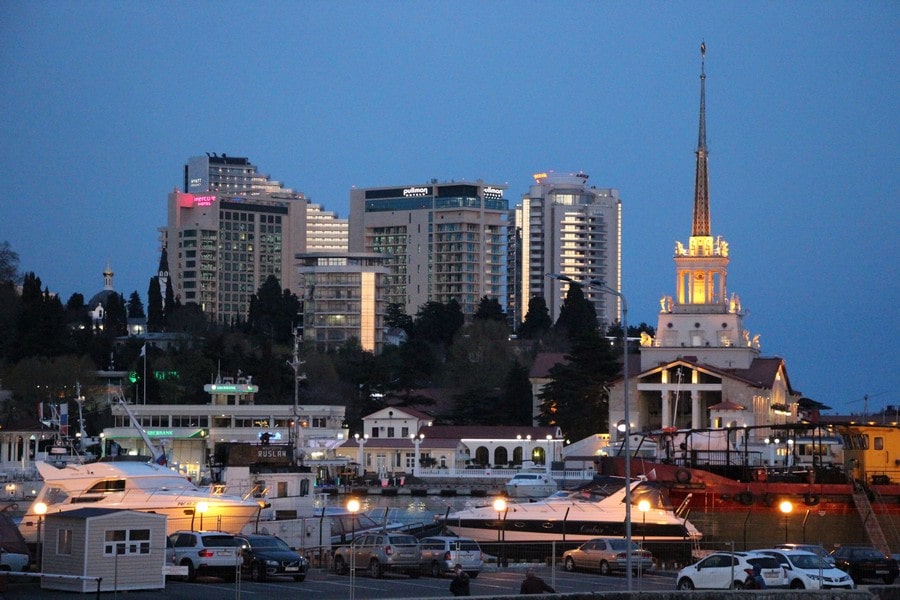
(207, 552)
(265, 556)
(607, 555)
(440, 554)
(13, 561)
(814, 548)
(728, 570)
(807, 571)
(865, 562)
(380, 552)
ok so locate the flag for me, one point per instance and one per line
(144, 350)
(64, 419)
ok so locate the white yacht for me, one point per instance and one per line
(595, 509)
(531, 484)
(141, 486)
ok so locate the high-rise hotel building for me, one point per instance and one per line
(444, 240)
(231, 227)
(563, 226)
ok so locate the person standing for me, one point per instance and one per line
(534, 584)
(460, 584)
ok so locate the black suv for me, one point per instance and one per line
(267, 556)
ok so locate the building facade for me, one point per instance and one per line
(446, 241)
(343, 298)
(231, 228)
(563, 226)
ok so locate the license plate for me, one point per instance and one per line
(292, 568)
(224, 553)
(881, 572)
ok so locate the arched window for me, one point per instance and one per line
(537, 455)
(482, 456)
(501, 457)
(517, 455)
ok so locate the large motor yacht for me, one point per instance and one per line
(132, 485)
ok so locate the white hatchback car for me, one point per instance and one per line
(807, 571)
(728, 570)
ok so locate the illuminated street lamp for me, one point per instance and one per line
(40, 509)
(352, 507)
(502, 508)
(643, 506)
(786, 507)
(601, 285)
(201, 508)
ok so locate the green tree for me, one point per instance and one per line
(576, 314)
(489, 309)
(135, 308)
(537, 320)
(395, 316)
(517, 399)
(9, 263)
(155, 314)
(41, 323)
(273, 313)
(577, 398)
(437, 323)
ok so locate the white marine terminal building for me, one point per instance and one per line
(394, 440)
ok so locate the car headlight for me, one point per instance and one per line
(815, 577)
(271, 563)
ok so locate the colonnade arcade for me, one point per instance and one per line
(678, 395)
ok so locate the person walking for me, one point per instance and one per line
(460, 584)
(534, 584)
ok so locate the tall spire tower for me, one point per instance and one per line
(701, 180)
(701, 315)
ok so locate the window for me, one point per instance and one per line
(390, 432)
(64, 541)
(127, 541)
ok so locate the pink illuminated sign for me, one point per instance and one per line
(204, 200)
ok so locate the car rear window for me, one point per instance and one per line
(466, 546)
(219, 540)
(403, 540)
(765, 562)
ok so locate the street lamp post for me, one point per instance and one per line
(601, 285)
(416, 440)
(352, 508)
(40, 509)
(643, 506)
(360, 456)
(786, 507)
(501, 507)
(201, 508)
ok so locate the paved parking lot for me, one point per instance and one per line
(325, 585)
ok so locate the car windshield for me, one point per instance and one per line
(809, 561)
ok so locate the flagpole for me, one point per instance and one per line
(144, 352)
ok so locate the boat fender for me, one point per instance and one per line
(810, 499)
(768, 499)
(745, 498)
(683, 476)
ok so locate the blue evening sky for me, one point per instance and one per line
(102, 104)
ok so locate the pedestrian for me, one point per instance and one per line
(534, 584)
(460, 584)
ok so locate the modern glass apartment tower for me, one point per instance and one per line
(564, 226)
(445, 240)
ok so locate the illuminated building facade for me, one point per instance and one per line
(232, 227)
(444, 241)
(703, 368)
(564, 226)
(343, 298)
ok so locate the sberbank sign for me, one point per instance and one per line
(160, 432)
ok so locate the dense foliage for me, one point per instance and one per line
(462, 371)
